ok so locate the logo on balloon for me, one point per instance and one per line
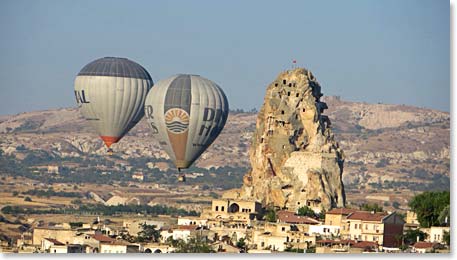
(177, 120)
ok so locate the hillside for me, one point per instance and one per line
(389, 149)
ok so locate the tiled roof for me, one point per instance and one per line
(290, 217)
(367, 216)
(422, 244)
(336, 242)
(365, 244)
(102, 238)
(187, 227)
(55, 242)
(341, 211)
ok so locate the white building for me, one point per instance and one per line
(436, 234)
(192, 221)
(118, 247)
(324, 230)
(53, 246)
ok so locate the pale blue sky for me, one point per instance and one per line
(386, 51)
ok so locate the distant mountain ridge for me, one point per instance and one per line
(386, 146)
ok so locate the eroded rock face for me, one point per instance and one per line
(294, 158)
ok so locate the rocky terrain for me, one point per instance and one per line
(391, 151)
(295, 159)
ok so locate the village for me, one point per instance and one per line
(236, 226)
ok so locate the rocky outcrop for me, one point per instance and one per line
(294, 158)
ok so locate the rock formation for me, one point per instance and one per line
(294, 158)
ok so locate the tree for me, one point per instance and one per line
(428, 207)
(410, 236)
(371, 207)
(148, 234)
(241, 244)
(27, 199)
(447, 238)
(271, 215)
(444, 218)
(194, 245)
(306, 211)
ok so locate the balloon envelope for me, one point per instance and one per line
(186, 114)
(110, 93)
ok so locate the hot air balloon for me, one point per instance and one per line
(186, 113)
(110, 93)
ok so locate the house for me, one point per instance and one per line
(244, 210)
(267, 241)
(335, 217)
(380, 227)
(118, 247)
(63, 235)
(222, 247)
(292, 218)
(156, 248)
(411, 221)
(324, 230)
(364, 246)
(185, 232)
(435, 234)
(51, 245)
(93, 241)
(138, 176)
(424, 247)
(188, 220)
(326, 246)
(133, 226)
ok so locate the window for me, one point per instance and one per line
(303, 110)
(366, 226)
(296, 95)
(222, 208)
(282, 112)
(217, 208)
(331, 223)
(283, 229)
(276, 84)
(284, 81)
(290, 84)
(288, 94)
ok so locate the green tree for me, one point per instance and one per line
(410, 236)
(447, 237)
(428, 207)
(371, 207)
(241, 244)
(271, 215)
(148, 234)
(194, 245)
(444, 217)
(306, 211)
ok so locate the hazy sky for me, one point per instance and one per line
(386, 51)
